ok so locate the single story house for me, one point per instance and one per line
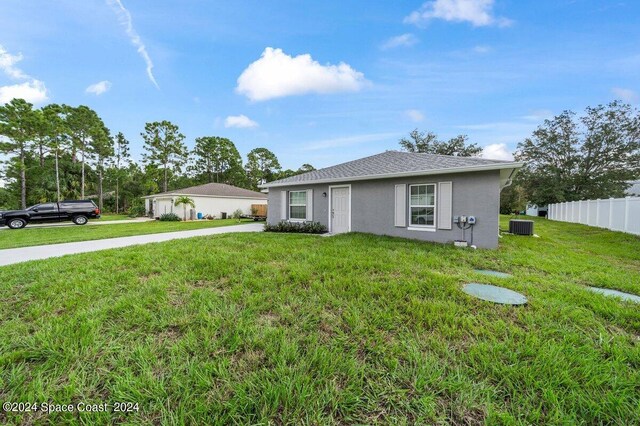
(402, 194)
(215, 199)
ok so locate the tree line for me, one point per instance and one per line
(62, 152)
(567, 158)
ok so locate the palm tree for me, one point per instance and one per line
(185, 201)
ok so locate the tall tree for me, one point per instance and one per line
(165, 148)
(590, 157)
(102, 146)
(429, 143)
(118, 162)
(85, 126)
(17, 124)
(54, 128)
(216, 158)
(262, 165)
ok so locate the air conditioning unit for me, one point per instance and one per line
(521, 227)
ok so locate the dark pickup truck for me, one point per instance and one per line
(77, 211)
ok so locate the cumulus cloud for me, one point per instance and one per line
(497, 151)
(32, 90)
(478, 13)
(277, 74)
(403, 40)
(7, 64)
(626, 95)
(414, 115)
(125, 20)
(239, 121)
(99, 88)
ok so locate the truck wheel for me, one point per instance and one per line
(17, 223)
(80, 220)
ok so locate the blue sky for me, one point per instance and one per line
(269, 73)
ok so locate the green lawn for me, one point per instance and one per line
(296, 329)
(112, 216)
(35, 236)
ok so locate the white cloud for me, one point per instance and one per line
(125, 19)
(239, 121)
(626, 95)
(482, 49)
(404, 40)
(538, 115)
(33, 91)
(99, 88)
(277, 74)
(497, 151)
(7, 62)
(348, 141)
(477, 12)
(414, 115)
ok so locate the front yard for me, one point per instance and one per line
(289, 329)
(35, 236)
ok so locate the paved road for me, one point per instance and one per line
(91, 222)
(23, 254)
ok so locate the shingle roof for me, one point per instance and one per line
(214, 189)
(394, 163)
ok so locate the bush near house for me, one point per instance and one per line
(296, 227)
(170, 217)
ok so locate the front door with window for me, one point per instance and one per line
(340, 210)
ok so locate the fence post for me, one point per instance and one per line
(626, 214)
(598, 212)
(610, 213)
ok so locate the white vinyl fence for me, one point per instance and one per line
(617, 214)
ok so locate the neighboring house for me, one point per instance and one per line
(401, 194)
(534, 210)
(634, 189)
(210, 199)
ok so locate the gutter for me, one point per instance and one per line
(465, 169)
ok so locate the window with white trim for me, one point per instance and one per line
(422, 204)
(298, 205)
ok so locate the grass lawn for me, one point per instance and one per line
(66, 234)
(291, 329)
(112, 216)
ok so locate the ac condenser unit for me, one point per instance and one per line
(521, 227)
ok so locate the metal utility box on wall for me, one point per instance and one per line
(521, 227)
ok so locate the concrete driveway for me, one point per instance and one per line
(24, 254)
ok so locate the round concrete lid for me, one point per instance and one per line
(492, 273)
(615, 293)
(492, 293)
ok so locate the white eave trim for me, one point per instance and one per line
(465, 169)
(205, 196)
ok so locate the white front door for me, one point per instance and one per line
(340, 213)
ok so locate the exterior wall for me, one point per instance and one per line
(373, 205)
(206, 205)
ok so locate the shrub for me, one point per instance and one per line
(299, 227)
(237, 214)
(136, 209)
(170, 217)
(208, 217)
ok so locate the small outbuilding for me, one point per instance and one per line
(212, 199)
(413, 195)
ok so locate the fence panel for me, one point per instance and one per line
(617, 214)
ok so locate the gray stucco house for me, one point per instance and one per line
(402, 194)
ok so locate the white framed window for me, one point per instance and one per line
(422, 205)
(298, 205)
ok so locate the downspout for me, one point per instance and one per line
(509, 180)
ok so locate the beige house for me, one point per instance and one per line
(215, 199)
